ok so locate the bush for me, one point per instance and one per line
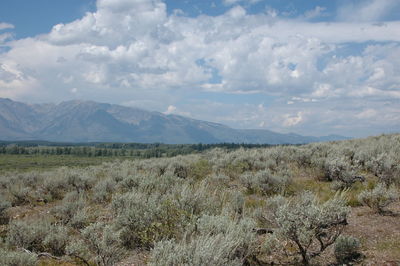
(56, 240)
(200, 169)
(19, 194)
(28, 235)
(101, 242)
(144, 219)
(198, 200)
(248, 181)
(347, 249)
(271, 184)
(386, 167)
(219, 179)
(264, 181)
(131, 182)
(236, 202)
(103, 190)
(79, 180)
(379, 198)
(179, 167)
(310, 226)
(71, 211)
(159, 185)
(17, 258)
(4, 205)
(54, 185)
(38, 236)
(216, 240)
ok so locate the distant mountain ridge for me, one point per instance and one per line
(87, 121)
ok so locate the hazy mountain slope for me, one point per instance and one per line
(19, 116)
(84, 121)
(8, 131)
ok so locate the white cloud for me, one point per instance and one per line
(233, 2)
(14, 83)
(131, 51)
(293, 120)
(325, 90)
(367, 114)
(170, 110)
(4, 26)
(318, 11)
(367, 10)
(4, 37)
(237, 12)
(7, 36)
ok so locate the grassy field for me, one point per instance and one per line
(44, 162)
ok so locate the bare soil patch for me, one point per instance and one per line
(379, 235)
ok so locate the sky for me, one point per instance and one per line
(314, 67)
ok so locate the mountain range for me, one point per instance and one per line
(88, 121)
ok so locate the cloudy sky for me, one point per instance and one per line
(312, 67)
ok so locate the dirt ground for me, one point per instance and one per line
(379, 235)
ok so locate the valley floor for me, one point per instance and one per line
(318, 204)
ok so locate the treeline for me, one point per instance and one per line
(94, 149)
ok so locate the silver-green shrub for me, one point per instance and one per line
(4, 206)
(102, 191)
(220, 179)
(28, 234)
(379, 198)
(216, 240)
(79, 180)
(143, 219)
(386, 167)
(236, 202)
(309, 225)
(269, 183)
(102, 242)
(54, 185)
(130, 182)
(17, 258)
(179, 167)
(38, 236)
(20, 194)
(264, 181)
(71, 210)
(335, 167)
(196, 200)
(248, 181)
(159, 185)
(56, 240)
(347, 249)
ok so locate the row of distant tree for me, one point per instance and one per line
(139, 150)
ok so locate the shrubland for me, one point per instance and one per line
(250, 206)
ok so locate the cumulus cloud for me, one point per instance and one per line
(292, 120)
(13, 82)
(133, 52)
(174, 110)
(170, 110)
